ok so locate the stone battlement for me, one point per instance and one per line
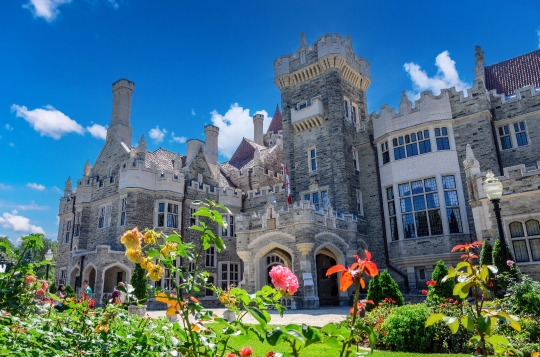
(134, 174)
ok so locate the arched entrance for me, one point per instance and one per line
(327, 286)
(74, 278)
(112, 276)
(90, 275)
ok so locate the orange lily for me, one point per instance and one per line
(466, 247)
(354, 273)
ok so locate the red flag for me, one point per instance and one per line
(288, 184)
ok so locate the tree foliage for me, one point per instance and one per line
(69, 290)
(441, 290)
(383, 286)
(486, 255)
(139, 283)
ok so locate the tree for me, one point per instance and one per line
(486, 255)
(69, 291)
(140, 283)
(383, 286)
(441, 290)
(52, 288)
(498, 259)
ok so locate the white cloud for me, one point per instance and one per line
(9, 127)
(35, 186)
(446, 77)
(32, 207)
(193, 112)
(48, 9)
(19, 223)
(5, 187)
(235, 124)
(157, 134)
(98, 131)
(48, 121)
(57, 189)
(178, 139)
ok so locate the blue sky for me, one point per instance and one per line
(202, 62)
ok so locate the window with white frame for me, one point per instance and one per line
(452, 204)
(316, 198)
(229, 274)
(408, 145)
(504, 136)
(420, 212)
(385, 153)
(167, 214)
(169, 279)
(312, 157)
(441, 136)
(123, 205)
(209, 281)
(104, 218)
(359, 203)
(394, 235)
(521, 134)
(228, 230)
(77, 230)
(191, 267)
(210, 257)
(526, 242)
(68, 231)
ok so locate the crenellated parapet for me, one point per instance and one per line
(329, 51)
(134, 174)
(523, 101)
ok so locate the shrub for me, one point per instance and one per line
(53, 288)
(405, 329)
(523, 297)
(498, 259)
(70, 292)
(445, 341)
(528, 339)
(439, 292)
(486, 254)
(140, 283)
(383, 286)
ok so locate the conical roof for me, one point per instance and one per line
(276, 124)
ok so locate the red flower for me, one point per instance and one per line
(246, 351)
(466, 247)
(360, 305)
(230, 354)
(40, 292)
(270, 354)
(354, 273)
(29, 279)
(431, 283)
(424, 292)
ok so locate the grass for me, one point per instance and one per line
(316, 350)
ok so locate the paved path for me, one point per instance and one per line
(317, 318)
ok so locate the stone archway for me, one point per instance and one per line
(274, 254)
(113, 275)
(74, 277)
(90, 275)
(326, 256)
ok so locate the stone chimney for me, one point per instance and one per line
(211, 133)
(67, 187)
(258, 120)
(193, 146)
(121, 110)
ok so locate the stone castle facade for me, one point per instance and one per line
(405, 185)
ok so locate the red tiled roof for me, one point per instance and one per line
(515, 73)
(163, 159)
(244, 153)
(276, 124)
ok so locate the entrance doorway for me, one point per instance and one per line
(327, 286)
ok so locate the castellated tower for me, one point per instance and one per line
(258, 120)
(323, 90)
(211, 133)
(120, 125)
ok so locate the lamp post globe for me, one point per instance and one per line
(494, 189)
(48, 256)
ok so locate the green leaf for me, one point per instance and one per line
(453, 323)
(498, 340)
(467, 322)
(371, 336)
(197, 228)
(203, 213)
(483, 323)
(329, 328)
(493, 269)
(434, 318)
(274, 336)
(296, 336)
(174, 238)
(258, 315)
(462, 289)
(513, 322)
(152, 253)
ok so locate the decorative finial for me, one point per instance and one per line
(479, 53)
(348, 41)
(303, 40)
(68, 185)
(405, 106)
(87, 168)
(142, 143)
(479, 65)
(470, 161)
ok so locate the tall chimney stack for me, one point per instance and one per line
(258, 120)
(121, 110)
(211, 133)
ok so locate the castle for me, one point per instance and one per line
(405, 185)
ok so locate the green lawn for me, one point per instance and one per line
(316, 350)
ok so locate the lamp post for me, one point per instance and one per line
(493, 189)
(48, 256)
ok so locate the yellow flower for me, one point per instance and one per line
(145, 263)
(150, 237)
(168, 249)
(102, 326)
(135, 256)
(132, 239)
(155, 272)
(171, 311)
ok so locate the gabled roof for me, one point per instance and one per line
(245, 153)
(507, 76)
(277, 122)
(163, 159)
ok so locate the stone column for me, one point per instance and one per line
(248, 278)
(308, 280)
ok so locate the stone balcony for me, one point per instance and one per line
(307, 115)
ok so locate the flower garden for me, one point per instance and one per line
(481, 307)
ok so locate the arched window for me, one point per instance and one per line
(533, 227)
(516, 230)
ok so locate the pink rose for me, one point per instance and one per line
(44, 285)
(40, 292)
(284, 279)
(29, 279)
(510, 263)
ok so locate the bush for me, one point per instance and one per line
(53, 288)
(528, 339)
(140, 283)
(70, 292)
(439, 292)
(486, 255)
(383, 286)
(498, 259)
(523, 297)
(445, 341)
(405, 329)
